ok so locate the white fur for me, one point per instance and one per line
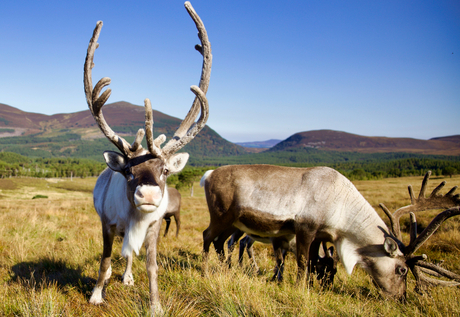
(347, 254)
(203, 179)
(112, 204)
(135, 234)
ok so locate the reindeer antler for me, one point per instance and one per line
(417, 264)
(186, 131)
(421, 203)
(95, 102)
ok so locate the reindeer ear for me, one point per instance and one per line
(177, 162)
(116, 161)
(391, 247)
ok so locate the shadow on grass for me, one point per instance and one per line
(51, 271)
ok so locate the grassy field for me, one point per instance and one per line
(50, 250)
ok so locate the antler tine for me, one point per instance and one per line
(176, 142)
(430, 229)
(195, 128)
(420, 267)
(413, 228)
(153, 148)
(394, 223)
(424, 185)
(96, 102)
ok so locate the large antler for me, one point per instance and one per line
(417, 264)
(186, 131)
(95, 102)
(421, 203)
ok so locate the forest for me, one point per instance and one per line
(355, 166)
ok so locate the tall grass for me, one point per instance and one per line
(50, 251)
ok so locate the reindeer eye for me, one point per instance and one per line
(165, 171)
(401, 270)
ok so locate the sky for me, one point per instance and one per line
(373, 68)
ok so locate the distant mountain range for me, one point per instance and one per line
(347, 142)
(77, 135)
(259, 144)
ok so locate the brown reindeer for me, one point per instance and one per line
(314, 203)
(131, 195)
(173, 210)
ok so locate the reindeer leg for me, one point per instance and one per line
(279, 258)
(220, 241)
(177, 218)
(127, 277)
(105, 269)
(314, 260)
(168, 223)
(231, 246)
(151, 240)
(249, 242)
(304, 238)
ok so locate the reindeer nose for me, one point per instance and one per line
(148, 195)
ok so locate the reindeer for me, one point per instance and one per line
(173, 210)
(325, 267)
(311, 203)
(131, 195)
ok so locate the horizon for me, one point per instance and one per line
(262, 141)
(383, 68)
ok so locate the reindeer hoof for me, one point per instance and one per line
(156, 309)
(96, 298)
(128, 279)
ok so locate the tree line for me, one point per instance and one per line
(354, 166)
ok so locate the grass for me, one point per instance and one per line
(50, 251)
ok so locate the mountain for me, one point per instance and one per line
(347, 142)
(259, 144)
(77, 134)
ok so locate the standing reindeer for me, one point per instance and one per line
(313, 203)
(173, 210)
(131, 195)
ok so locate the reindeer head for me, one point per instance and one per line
(417, 264)
(387, 266)
(146, 170)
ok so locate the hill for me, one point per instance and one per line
(330, 140)
(77, 135)
(259, 144)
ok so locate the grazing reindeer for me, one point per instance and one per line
(310, 203)
(325, 267)
(173, 210)
(131, 196)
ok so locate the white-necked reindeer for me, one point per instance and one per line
(131, 196)
(318, 203)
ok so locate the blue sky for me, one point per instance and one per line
(374, 68)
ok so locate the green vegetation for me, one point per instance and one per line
(6, 130)
(39, 196)
(355, 166)
(12, 164)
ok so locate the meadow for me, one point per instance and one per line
(50, 250)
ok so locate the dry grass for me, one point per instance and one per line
(50, 251)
